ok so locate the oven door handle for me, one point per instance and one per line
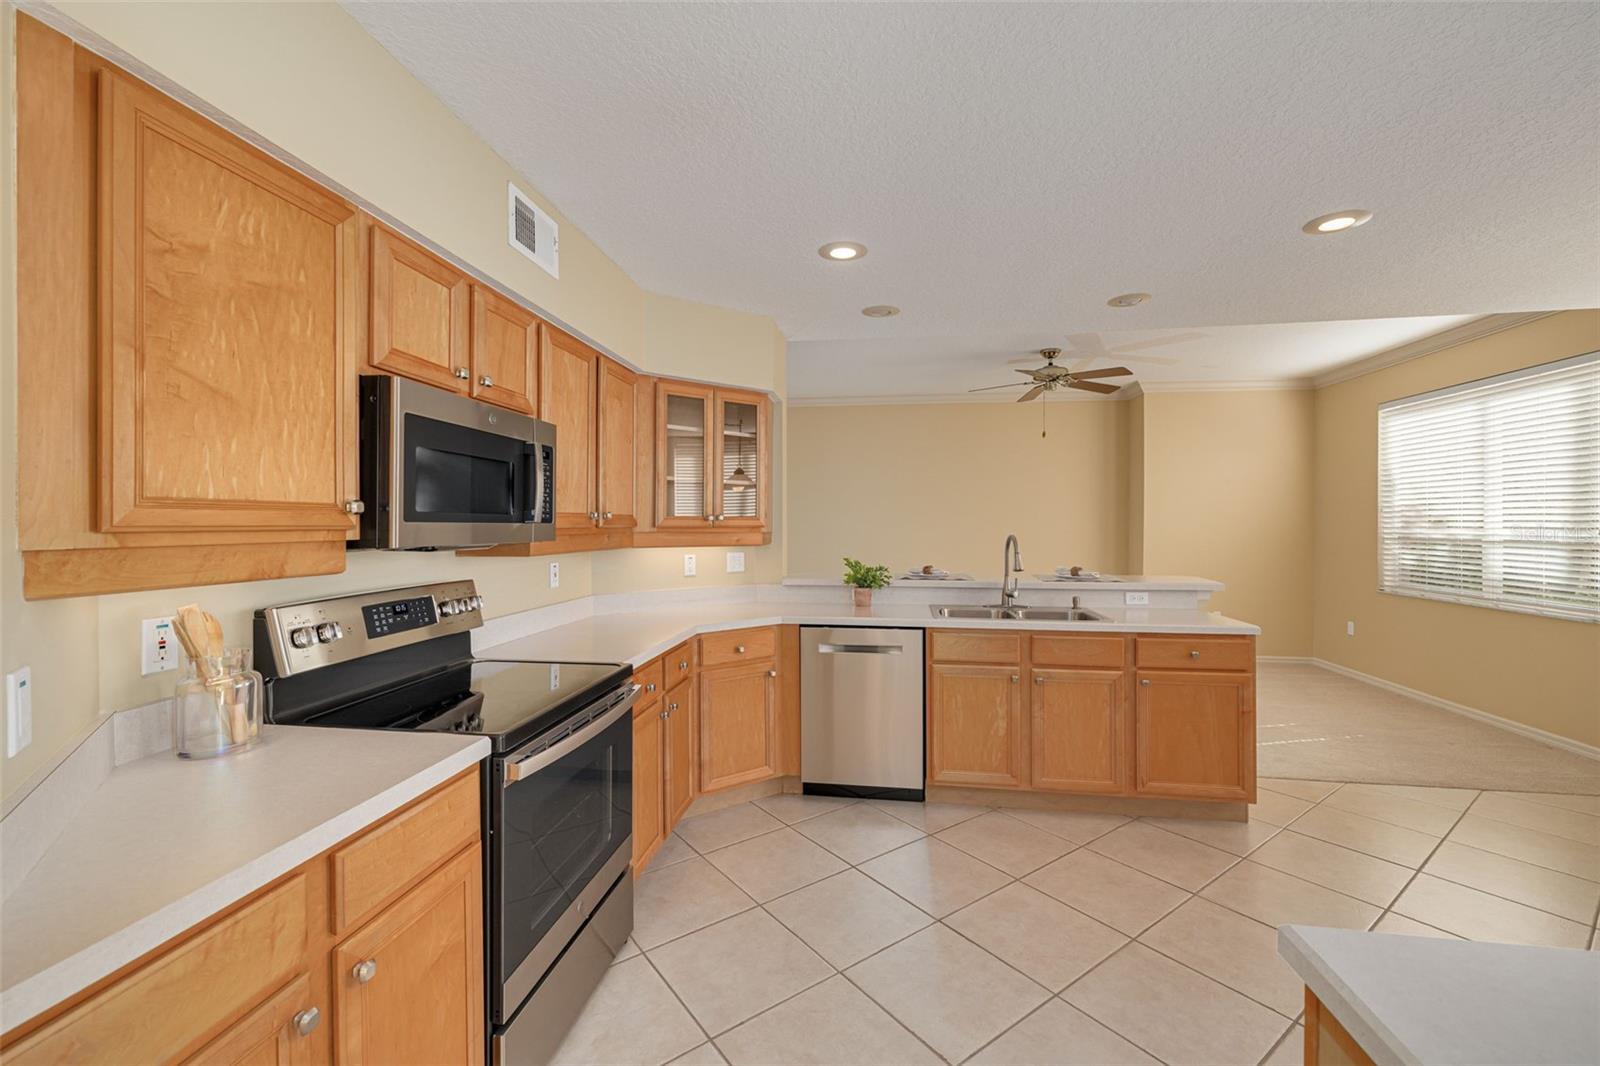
(532, 764)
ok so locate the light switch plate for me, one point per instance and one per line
(1349, 629)
(555, 575)
(736, 562)
(158, 646)
(1136, 599)
(19, 710)
(688, 564)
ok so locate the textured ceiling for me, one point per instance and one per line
(1010, 167)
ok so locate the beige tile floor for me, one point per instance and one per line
(802, 930)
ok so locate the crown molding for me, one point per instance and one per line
(1478, 328)
(1260, 385)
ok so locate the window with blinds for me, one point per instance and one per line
(1489, 492)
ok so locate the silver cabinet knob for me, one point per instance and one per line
(651, 687)
(463, 373)
(772, 673)
(663, 715)
(683, 664)
(307, 1021)
(365, 971)
(486, 381)
(1194, 655)
(738, 649)
(594, 516)
(1037, 680)
(1145, 682)
(1015, 678)
(607, 516)
(354, 507)
(671, 707)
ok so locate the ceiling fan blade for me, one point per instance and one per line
(1007, 385)
(1092, 386)
(1107, 372)
(1030, 394)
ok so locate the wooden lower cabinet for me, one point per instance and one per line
(1327, 1043)
(738, 725)
(679, 758)
(273, 981)
(1195, 734)
(977, 733)
(649, 781)
(1077, 730)
(408, 986)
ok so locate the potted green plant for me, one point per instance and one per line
(863, 579)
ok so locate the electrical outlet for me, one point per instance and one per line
(158, 646)
(555, 575)
(736, 562)
(1136, 599)
(19, 710)
(1349, 629)
(688, 564)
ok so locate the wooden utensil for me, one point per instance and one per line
(200, 633)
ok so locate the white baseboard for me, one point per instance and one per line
(1283, 659)
(1554, 740)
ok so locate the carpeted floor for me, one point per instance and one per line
(1314, 724)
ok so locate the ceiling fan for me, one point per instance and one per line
(1049, 378)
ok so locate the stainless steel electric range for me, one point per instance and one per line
(558, 798)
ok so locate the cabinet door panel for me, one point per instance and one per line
(505, 351)
(1077, 730)
(649, 818)
(267, 1035)
(680, 758)
(976, 730)
(225, 286)
(1194, 734)
(738, 741)
(684, 456)
(423, 1002)
(420, 305)
(618, 436)
(567, 375)
(742, 460)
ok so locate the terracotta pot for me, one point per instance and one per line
(863, 597)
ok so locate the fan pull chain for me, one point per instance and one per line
(1042, 429)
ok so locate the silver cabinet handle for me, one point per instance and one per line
(365, 971)
(1194, 655)
(1145, 681)
(307, 1021)
(354, 507)
(486, 381)
(463, 373)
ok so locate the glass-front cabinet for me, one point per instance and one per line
(712, 457)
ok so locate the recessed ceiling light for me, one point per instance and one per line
(1337, 222)
(1128, 299)
(880, 311)
(842, 251)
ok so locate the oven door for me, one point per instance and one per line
(562, 824)
(446, 471)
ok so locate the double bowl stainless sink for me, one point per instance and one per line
(1019, 614)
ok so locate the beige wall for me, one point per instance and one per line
(1542, 672)
(312, 82)
(1135, 553)
(906, 485)
(1227, 495)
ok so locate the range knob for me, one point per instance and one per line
(475, 602)
(303, 637)
(449, 607)
(328, 632)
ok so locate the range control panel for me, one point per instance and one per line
(305, 636)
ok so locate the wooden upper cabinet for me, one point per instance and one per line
(742, 461)
(420, 304)
(227, 293)
(1195, 734)
(977, 732)
(1076, 738)
(408, 985)
(505, 352)
(616, 437)
(684, 456)
(568, 376)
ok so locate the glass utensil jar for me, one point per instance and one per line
(217, 706)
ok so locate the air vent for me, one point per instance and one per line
(532, 232)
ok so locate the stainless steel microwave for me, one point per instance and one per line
(443, 471)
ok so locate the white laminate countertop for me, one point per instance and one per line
(637, 636)
(164, 843)
(1412, 999)
(1104, 583)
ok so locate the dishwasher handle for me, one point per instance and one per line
(859, 649)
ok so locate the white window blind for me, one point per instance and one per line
(1489, 492)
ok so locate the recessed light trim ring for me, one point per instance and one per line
(1336, 222)
(842, 251)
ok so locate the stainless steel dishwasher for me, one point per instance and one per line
(861, 718)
